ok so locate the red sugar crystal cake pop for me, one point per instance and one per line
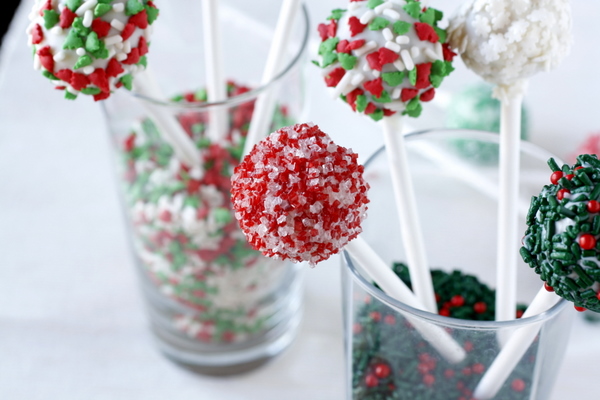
(92, 46)
(299, 196)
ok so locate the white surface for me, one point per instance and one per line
(71, 320)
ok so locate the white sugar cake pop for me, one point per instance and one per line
(508, 41)
(297, 195)
(384, 56)
(90, 46)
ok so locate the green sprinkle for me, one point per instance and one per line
(69, 95)
(571, 284)
(83, 61)
(348, 61)
(448, 68)
(442, 35)
(133, 7)
(378, 24)
(595, 193)
(336, 14)
(412, 76)
(79, 28)
(553, 165)
(413, 9)
(374, 3)
(127, 81)
(436, 80)
(377, 115)
(50, 75)
(222, 216)
(143, 61)
(329, 59)
(316, 63)
(152, 14)
(91, 90)
(439, 15)
(393, 78)
(328, 45)
(73, 5)
(92, 42)
(428, 17)
(585, 278)
(101, 9)
(201, 95)
(413, 108)
(401, 27)
(51, 18)
(525, 255)
(361, 103)
(384, 98)
(566, 212)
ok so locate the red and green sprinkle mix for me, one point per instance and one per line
(563, 228)
(382, 58)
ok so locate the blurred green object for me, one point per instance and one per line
(475, 108)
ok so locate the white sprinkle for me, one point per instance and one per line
(415, 52)
(118, 25)
(119, 46)
(367, 17)
(383, 6)
(403, 39)
(393, 14)
(396, 93)
(119, 7)
(399, 65)
(388, 34)
(85, 7)
(71, 90)
(407, 59)
(57, 31)
(365, 48)
(354, 6)
(439, 50)
(109, 41)
(88, 18)
(121, 56)
(127, 46)
(111, 52)
(148, 33)
(431, 54)
(376, 73)
(395, 47)
(399, 2)
(395, 106)
(37, 63)
(88, 70)
(357, 79)
(60, 56)
(341, 86)
(80, 51)
(366, 67)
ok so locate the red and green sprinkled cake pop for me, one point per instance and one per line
(561, 242)
(299, 196)
(90, 46)
(384, 56)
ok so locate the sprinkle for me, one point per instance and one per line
(88, 5)
(415, 52)
(127, 46)
(342, 85)
(357, 79)
(80, 51)
(102, 9)
(392, 14)
(118, 25)
(333, 78)
(374, 3)
(426, 32)
(403, 40)
(367, 17)
(356, 26)
(382, 7)
(66, 18)
(83, 61)
(393, 46)
(375, 87)
(127, 31)
(365, 49)
(88, 18)
(57, 31)
(432, 55)
(387, 34)
(353, 6)
(51, 18)
(60, 56)
(393, 78)
(121, 56)
(396, 93)
(101, 27)
(88, 70)
(399, 65)
(407, 59)
(401, 27)
(141, 20)
(118, 7)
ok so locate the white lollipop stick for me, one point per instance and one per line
(265, 103)
(508, 209)
(514, 349)
(407, 211)
(168, 126)
(215, 82)
(378, 271)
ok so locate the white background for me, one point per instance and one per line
(71, 320)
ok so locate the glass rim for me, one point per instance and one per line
(252, 93)
(389, 301)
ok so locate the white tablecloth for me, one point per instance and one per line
(71, 319)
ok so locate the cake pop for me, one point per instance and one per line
(91, 47)
(299, 196)
(563, 228)
(384, 57)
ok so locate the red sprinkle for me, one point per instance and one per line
(99, 78)
(518, 385)
(387, 112)
(323, 32)
(426, 32)
(47, 6)
(371, 380)
(37, 34)
(375, 87)
(130, 143)
(593, 206)
(408, 94)
(428, 380)
(79, 81)
(143, 46)
(133, 57)
(423, 72)
(382, 370)
(371, 108)
(66, 18)
(114, 68)
(375, 316)
(127, 31)
(428, 95)
(555, 177)
(480, 307)
(447, 52)
(478, 368)
(373, 60)
(561, 193)
(457, 301)
(46, 58)
(579, 309)
(101, 27)
(387, 56)
(389, 319)
(355, 26)
(64, 75)
(140, 19)
(334, 77)
(351, 97)
(356, 44)
(548, 287)
(342, 47)
(101, 96)
(587, 241)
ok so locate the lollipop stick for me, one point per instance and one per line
(215, 82)
(265, 103)
(508, 210)
(168, 126)
(380, 273)
(514, 349)
(407, 211)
